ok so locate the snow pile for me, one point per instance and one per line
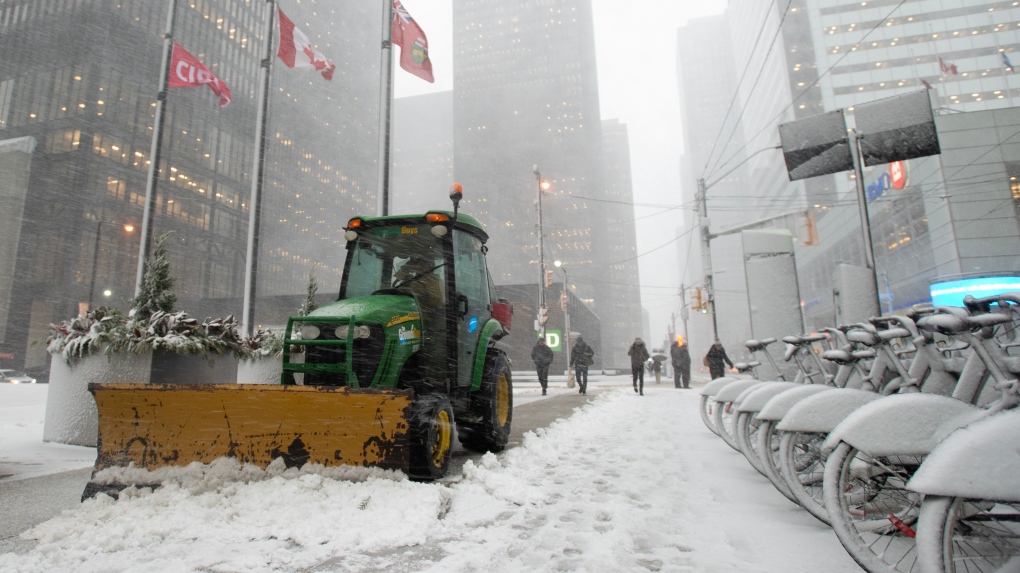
(23, 454)
(627, 483)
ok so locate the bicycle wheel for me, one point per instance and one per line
(870, 509)
(956, 535)
(747, 438)
(706, 407)
(768, 457)
(802, 466)
(723, 417)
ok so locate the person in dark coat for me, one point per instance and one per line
(716, 356)
(681, 358)
(542, 355)
(581, 357)
(638, 354)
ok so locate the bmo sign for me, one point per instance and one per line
(894, 177)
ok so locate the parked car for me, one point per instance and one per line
(15, 377)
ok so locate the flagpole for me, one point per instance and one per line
(155, 148)
(1002, 63)
(258, 169)
(385, 103)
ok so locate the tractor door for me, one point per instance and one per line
(471, 301)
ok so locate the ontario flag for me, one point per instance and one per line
(296, 50)
(414, 47)
(186, 71)
(947, 68)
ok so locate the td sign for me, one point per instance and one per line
(554, 338)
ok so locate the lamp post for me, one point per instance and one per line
(564, 301)
(542, 186)
(128, 228)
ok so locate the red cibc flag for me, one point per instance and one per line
(187, 72)
(296, 49)
(414, 47)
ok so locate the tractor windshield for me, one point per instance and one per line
(400, 256)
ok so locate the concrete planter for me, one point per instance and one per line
(170, 368)
(71, 415)
(260, 370)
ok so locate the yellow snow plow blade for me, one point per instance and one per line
(152, 426)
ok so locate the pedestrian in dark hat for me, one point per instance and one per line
(638, 354)
(581, 357)
(542, 355)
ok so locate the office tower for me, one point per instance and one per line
(714, 151)
(79, 78)
(422, 155)
(525, 94)
(620, 278)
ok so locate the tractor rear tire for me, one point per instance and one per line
(494, 406)
(431, 430)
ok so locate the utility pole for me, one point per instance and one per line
(706, 254)
(541, 253)
(684, 313)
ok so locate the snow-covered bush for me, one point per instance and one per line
(154, 324)
(261, 344)
(89, 333)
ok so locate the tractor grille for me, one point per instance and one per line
(367, 353)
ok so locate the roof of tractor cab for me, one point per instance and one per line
(464, 222)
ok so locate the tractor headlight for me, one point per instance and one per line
(360, 331)
(309, 332)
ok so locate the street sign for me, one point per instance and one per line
(554, 339)
(897, 128)
(816, 146)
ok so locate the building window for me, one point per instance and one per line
(6, 93)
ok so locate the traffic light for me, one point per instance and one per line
(543, 316)
(563, 301)
(548, 278)
(696, 303)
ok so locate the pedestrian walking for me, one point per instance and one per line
(581, 357)
(638, 354)
(715, 358)
(657, 361)
(680, 356)
(542, 356)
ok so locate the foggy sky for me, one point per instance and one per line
(636, 54)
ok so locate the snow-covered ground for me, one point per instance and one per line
(23, 454)
(627, 483)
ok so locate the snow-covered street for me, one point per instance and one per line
(627, 483)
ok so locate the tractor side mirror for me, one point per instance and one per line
(462, 305)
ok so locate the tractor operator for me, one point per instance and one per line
(418, 276)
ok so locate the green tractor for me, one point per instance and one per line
(417, 311)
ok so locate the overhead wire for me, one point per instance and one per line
(761, 70)
(736, 90)
(811, 87)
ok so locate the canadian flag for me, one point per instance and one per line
(296, 50)
(186, 71)
(946, 67)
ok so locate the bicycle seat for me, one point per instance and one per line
(841, 357)
(866, 354)
(794, 340)
(983, 320)
(887, 335)
(745, 366)
(944, 323)
(865, 337)
(814, 338)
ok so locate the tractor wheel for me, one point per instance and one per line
(494, 406)
(432, 430)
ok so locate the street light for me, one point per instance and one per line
(543, 185)
(128, 228)
(566, 314)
